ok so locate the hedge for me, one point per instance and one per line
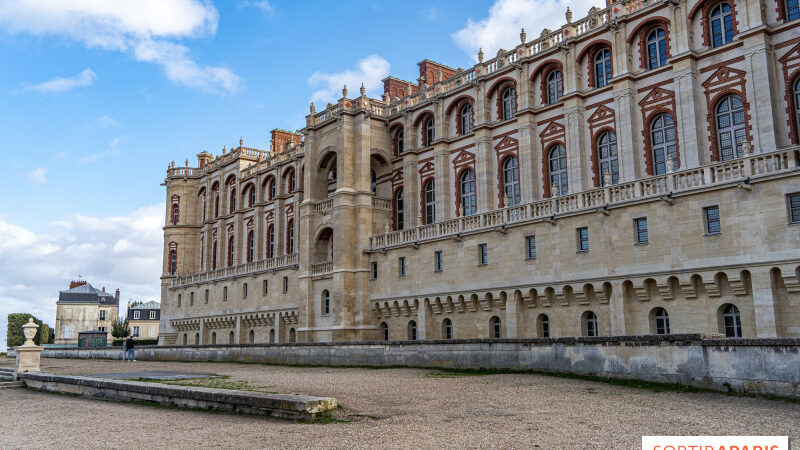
(15, 336)
(119, 342)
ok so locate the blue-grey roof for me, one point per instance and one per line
(86, 294)
(148, 305)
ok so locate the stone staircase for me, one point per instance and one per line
(8, 379)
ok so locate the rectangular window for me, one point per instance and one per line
(135, 315)
(152, 315)
(225, 294)
(483, 254)
(583, 239)
(640, 226)
(135, 332)
(438, 262)
(103, 314)
(402, 266)
(285, 285)
(266, 287)
(191, 298)
(374, 270)
(179, 300)
(794, 207)
(531, 245)
(103, 329)
(206, 299)
(712, 219)
(244, 290)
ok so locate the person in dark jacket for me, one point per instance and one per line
(127, 350)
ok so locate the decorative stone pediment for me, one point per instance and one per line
(464, 157)
(427, 167)
(602, 114)
(505, 144)
(552, 130)
(657, 95)
(724, 75)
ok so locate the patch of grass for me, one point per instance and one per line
(326, 417)
(216, 382)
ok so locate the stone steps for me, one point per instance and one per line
(8, 374)
(11, 384)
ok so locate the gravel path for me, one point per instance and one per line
(394, 408)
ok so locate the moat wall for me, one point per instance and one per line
(754, 366)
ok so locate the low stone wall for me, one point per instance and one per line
(756, 366)
(276, 405)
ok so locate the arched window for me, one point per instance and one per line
(384, 329)
(662, 141)
(557, 162)
(509, 103)
(496, 327)
(792, 10)
(173, 262)
(399, 142)
(251, 246)
(197, 339)
(252, 192)
(373, 181)
(602, 68)
(230, 337)
(203, 200)
(252, 337)
(429, 131)
(797, 104)
(555, 86)
(511, 181)
(589, 324)
(216, 204)
(607, 157)
(466, 119)
(292, 335)
(656, 48)
(447, 329)
(233, 200)
(721, 25)
(660, 321)
(398, 209)
(271, 189)
(412, 331)
(185, 338)
(290, 237)
(231, 249)
(175, 211)
(430, 201)
(271, 241)
(326, 302)
(272, 336)
(731, 129)
(290, 182)
(214, 256)
(468, 200)
(214, 338)
(731, 321)
(543, 325)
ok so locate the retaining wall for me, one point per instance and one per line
(758, 366)
(276, 405)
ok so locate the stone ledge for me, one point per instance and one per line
(276, 405)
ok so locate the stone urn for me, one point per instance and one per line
(29, 354)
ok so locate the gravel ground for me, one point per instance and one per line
(394, 408)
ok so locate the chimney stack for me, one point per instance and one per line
(74, 284)
(104, 288)
(116, 295)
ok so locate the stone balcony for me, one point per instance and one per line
(277, 263)
(739, 171)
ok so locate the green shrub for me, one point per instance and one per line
(15, 336)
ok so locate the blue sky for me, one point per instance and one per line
(99, 96)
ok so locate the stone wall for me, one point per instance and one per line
(755, 366)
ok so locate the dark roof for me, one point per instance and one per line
(86, 294)
(148, 305)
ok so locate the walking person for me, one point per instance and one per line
(127, 352)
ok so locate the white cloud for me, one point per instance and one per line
(262, 5)
(116, 252)
(105, 122)
(146, 29)
(506, 17)
(61, 84)
(370, 70)
(38, 175)
(112, 150)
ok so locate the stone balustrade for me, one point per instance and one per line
(276, 263)
(741, 170)
(324, 268)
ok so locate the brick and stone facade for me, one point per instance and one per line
(526, 219)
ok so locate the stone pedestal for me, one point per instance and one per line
(28, 358)
(29, 354)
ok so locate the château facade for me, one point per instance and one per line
(632, 172)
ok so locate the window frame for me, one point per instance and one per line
(265, 287)
(708, 221)
(662, 150)
(508, 103)
(429, 193)
(601, 64)
(791, 10)
(590, 324)
(530, 247)
(401, 266)
(793, 208)
(483, 254)
(737, 131)
(326, 302)
(465, 117)
(512, 185)
(656, 46)
(469, 197)
(733, 313)
(374, 271)
(285, 285)
(661, 321)
(554, 85)
(583, 239)
(640, 231)
(607, 142)
(399, 208)
(560, 177)
(438, 261)
(727, 32)
(430, 131)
